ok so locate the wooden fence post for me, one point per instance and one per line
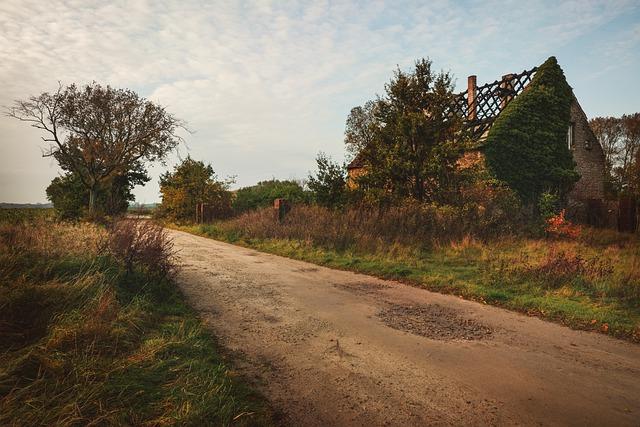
(280, 208)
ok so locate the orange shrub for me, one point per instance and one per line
(559, 226)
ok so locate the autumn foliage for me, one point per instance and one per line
(559, 226)
(193, 182)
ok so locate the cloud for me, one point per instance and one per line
(265, 85)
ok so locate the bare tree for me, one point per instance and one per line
(620, 141)
(99, 132)
(608, 130)
(631, 152)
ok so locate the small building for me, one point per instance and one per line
(481, 105)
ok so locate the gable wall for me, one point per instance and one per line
(588, 156)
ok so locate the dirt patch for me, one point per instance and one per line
(362, 288)
(305, 270)
(433, 321)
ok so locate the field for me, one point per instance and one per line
(89, 338)
(591, 282)
(14, 216)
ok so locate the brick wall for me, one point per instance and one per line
(588, 156)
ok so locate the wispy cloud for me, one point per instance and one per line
(264, 84)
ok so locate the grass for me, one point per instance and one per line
(18, 215)
(590, 283)
(86, 342)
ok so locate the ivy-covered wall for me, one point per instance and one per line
(527, 145)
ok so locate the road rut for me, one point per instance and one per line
(330, 347)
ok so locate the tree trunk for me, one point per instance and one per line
(92, 201)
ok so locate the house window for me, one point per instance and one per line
(570, 136)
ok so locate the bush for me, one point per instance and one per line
(492, 207)
(329, 184)
(548, 205)
(559, 226)
(263, 194)
(563, 267)
(143, 244)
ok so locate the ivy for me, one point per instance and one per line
(527, 145)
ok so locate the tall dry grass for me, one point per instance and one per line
(86, 342)
(590, 281)
(369, 229)
(142, 244)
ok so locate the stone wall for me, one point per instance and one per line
(588, 156)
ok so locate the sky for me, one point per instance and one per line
(264, 86)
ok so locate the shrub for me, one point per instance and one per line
(559, 226)
(548, 205)
(329, 184)
(263, 193)
(23, 215)
(559, 267)
(144, 244)
(564, 266)
(629, 284)
(490, 206)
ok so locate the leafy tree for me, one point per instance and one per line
(69, 196)
(192, 182)
(407, 139)
(99, 132)
(329, 184)
(263, 194)
(527, 145)
(115, 197)
(361, 128)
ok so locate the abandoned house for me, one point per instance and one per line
(481, 105)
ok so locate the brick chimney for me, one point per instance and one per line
(507, 90)
(472, 113)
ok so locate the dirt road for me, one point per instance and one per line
(330, 347)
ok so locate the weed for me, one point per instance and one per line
(144, 244)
